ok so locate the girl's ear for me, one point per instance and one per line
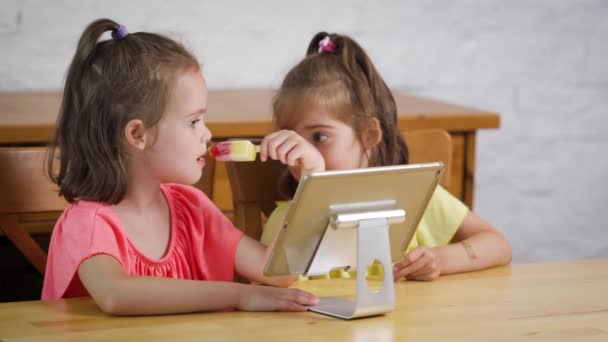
(372, 134)
(135, 134)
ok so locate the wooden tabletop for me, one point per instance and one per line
(28, 117)
(538, 302)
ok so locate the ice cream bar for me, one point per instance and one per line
(234, 150)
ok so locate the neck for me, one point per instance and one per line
(143, 192)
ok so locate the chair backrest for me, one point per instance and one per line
(25, 188)
(431, 145)
(254, 192)
(255, 184)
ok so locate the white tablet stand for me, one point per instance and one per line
(368, 230)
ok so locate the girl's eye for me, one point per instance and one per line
(319, 137)
(193, 122)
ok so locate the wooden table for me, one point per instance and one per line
(28, 119)
(543, 302)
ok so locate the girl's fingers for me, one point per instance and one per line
(291, 149)
(285, 149)
(421, 263)
(428, 268)
(292, 306)
(294, 155)
(298, 300)
(273, 144)
(410, 257)
(413, 266)
(414, 256)
(264, 144)
(426, 277)
(305, 298)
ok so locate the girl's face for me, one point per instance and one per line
(177, 152)
(336, 141)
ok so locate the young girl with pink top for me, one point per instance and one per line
(130, 132)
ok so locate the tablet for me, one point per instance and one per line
(322, 195)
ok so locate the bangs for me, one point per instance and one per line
(291, 104)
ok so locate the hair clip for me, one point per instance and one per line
(120, 33)
(326, 45)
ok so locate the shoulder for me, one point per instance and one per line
(186, 198)
(442, 200)
(274, 222)
(84, 229)
(442, 218)
(84, 217)
(185, 195)
(88, 225)
(190, 204)
(278, 214)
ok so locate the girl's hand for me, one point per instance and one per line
(267, 298)
(293, 150)
(419, 264)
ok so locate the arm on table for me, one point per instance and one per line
(117, 293)
(476, 245)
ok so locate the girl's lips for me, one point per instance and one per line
(201, 160)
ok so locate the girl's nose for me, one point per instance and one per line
(207, 135)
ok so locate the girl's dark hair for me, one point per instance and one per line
(108, 84)
(345, 82)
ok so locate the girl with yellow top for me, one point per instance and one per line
(335, 112)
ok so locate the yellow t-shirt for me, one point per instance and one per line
(440, 221)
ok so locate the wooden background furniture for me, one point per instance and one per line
(564, 301)
(27, 118)
(431, 145)
(255, 189)
(25, 189)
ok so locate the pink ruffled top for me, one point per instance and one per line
(202, 244)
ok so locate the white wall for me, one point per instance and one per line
(542, 64)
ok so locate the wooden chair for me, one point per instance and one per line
(205, 184)
(26, 189)
(255, 185)
(431, 145)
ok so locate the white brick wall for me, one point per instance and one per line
(542, 177)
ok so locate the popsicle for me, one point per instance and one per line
(234, 150)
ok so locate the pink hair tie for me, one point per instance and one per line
(326, 45)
